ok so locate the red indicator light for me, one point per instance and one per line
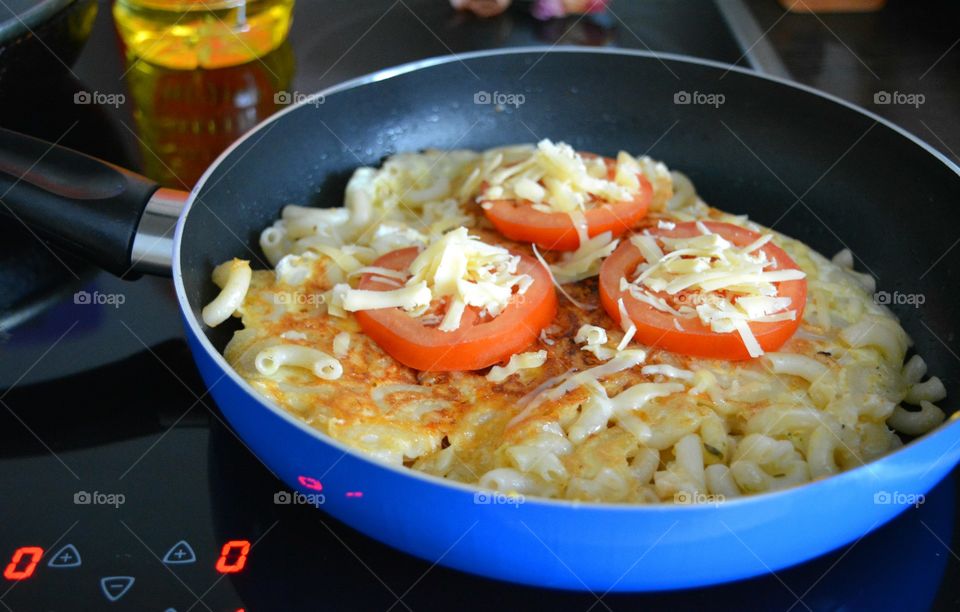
(233, 556)
(14, 571)
(310, 483)
(354, 493)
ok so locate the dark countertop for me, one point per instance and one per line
(907, 48)
(912, 48)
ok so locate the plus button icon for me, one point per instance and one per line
(180, 553)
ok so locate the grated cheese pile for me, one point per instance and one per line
(455, 268)
(733, 285)
(555, 178)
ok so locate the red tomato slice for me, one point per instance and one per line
(656, 328)
(518, 220)
(475, 344)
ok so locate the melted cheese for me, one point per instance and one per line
(629, 328)
(666, 370)
(517, 362)
(601, 409)
(594, 339)
(341, 344)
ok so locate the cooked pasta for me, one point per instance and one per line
(269, 361)
(916, 422)
(233, 278)
(585, 412)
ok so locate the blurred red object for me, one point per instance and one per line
(541, 9)
(482, 8)
(551, 9)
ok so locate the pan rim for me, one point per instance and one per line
(196, 329)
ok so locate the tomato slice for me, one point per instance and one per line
(518, 220)
(657, 328)
(476, 343)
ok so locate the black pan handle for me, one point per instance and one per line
(82, 204)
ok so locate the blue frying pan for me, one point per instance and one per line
(875, 188)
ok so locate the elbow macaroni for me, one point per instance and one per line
(269, 361)
(233, 278)
(918, 422)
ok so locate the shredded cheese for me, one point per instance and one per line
(622, 361)
(594, 339)
(585, 261)
(563, 292)
(725, 286)
(455, 267)
(555, 178)
(410, 297)
(380, 272)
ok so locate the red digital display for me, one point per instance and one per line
(23, 563)
(233, 556)
(310, 483)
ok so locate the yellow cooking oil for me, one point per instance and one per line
(190, 34)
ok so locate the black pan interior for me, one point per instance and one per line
(817, 170)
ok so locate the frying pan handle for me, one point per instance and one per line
(88, 206)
